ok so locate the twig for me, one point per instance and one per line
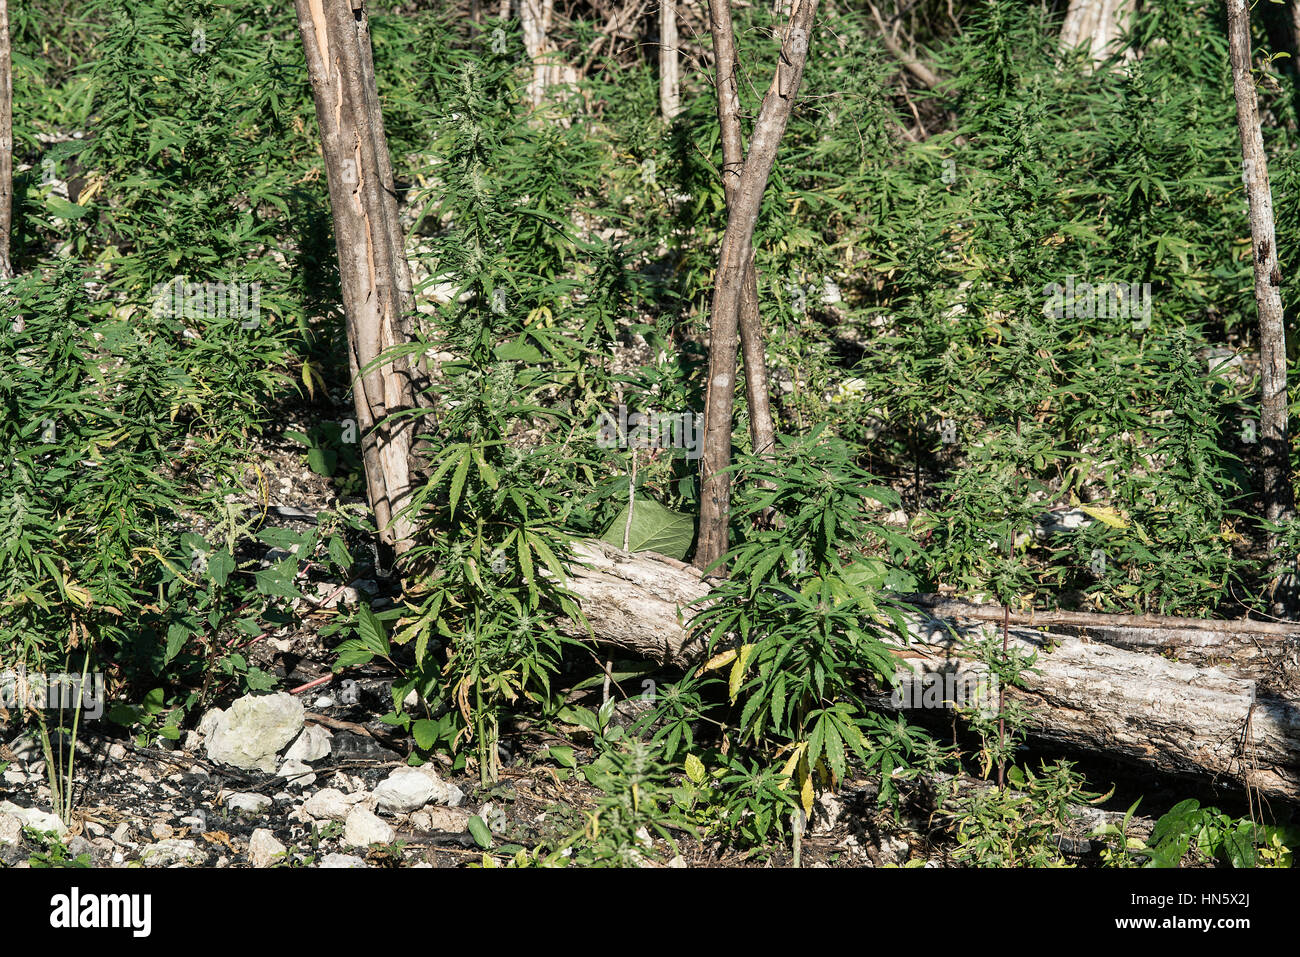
(324, 679)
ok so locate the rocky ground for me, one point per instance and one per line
(273, 781)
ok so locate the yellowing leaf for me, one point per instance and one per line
(1104, 513)
(695, 769)
(738, 671)
(78, 594)
(806, 787)
(89, 191)
(718, 661)
(792, 762)
(311, 374)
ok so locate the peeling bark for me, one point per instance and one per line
(1263, 651)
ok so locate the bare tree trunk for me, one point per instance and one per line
(1274, 442)
(535, 19)
(1096, 23)
(734, 263)
(669, 76)
(757, 390)
(373, 270)
(6, 144)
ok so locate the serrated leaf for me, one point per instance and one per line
(351, 652)
(425, 732)
(458, 480)
(339, 553)
(695, 769)
(371, 632)
(177, 635)
(778, 701)
(61, 208)
(562, 755)
(220, 565)
(834, 750)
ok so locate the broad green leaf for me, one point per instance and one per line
(654, 529)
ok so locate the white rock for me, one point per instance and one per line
(253, 730)
(406, 789)
(324, 701)
(243, 802)
(329, 595)
(122, 834)
(298, 775)
(15, 778)
(35, 818)
(11, 829)
(263, 849)
(420, 820)
(330, 804)
(207, 724)
(312, 745)
(341, 860)
(165, 853)
(364, 828)
(494, 817)
(443, 792)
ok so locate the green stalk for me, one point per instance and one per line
(76, 723)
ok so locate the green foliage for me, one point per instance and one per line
(1016, 826)
(1211, 835)
(53, 853)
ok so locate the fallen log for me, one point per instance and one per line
(636, 601)
(1264, 651)
(1174, 716)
